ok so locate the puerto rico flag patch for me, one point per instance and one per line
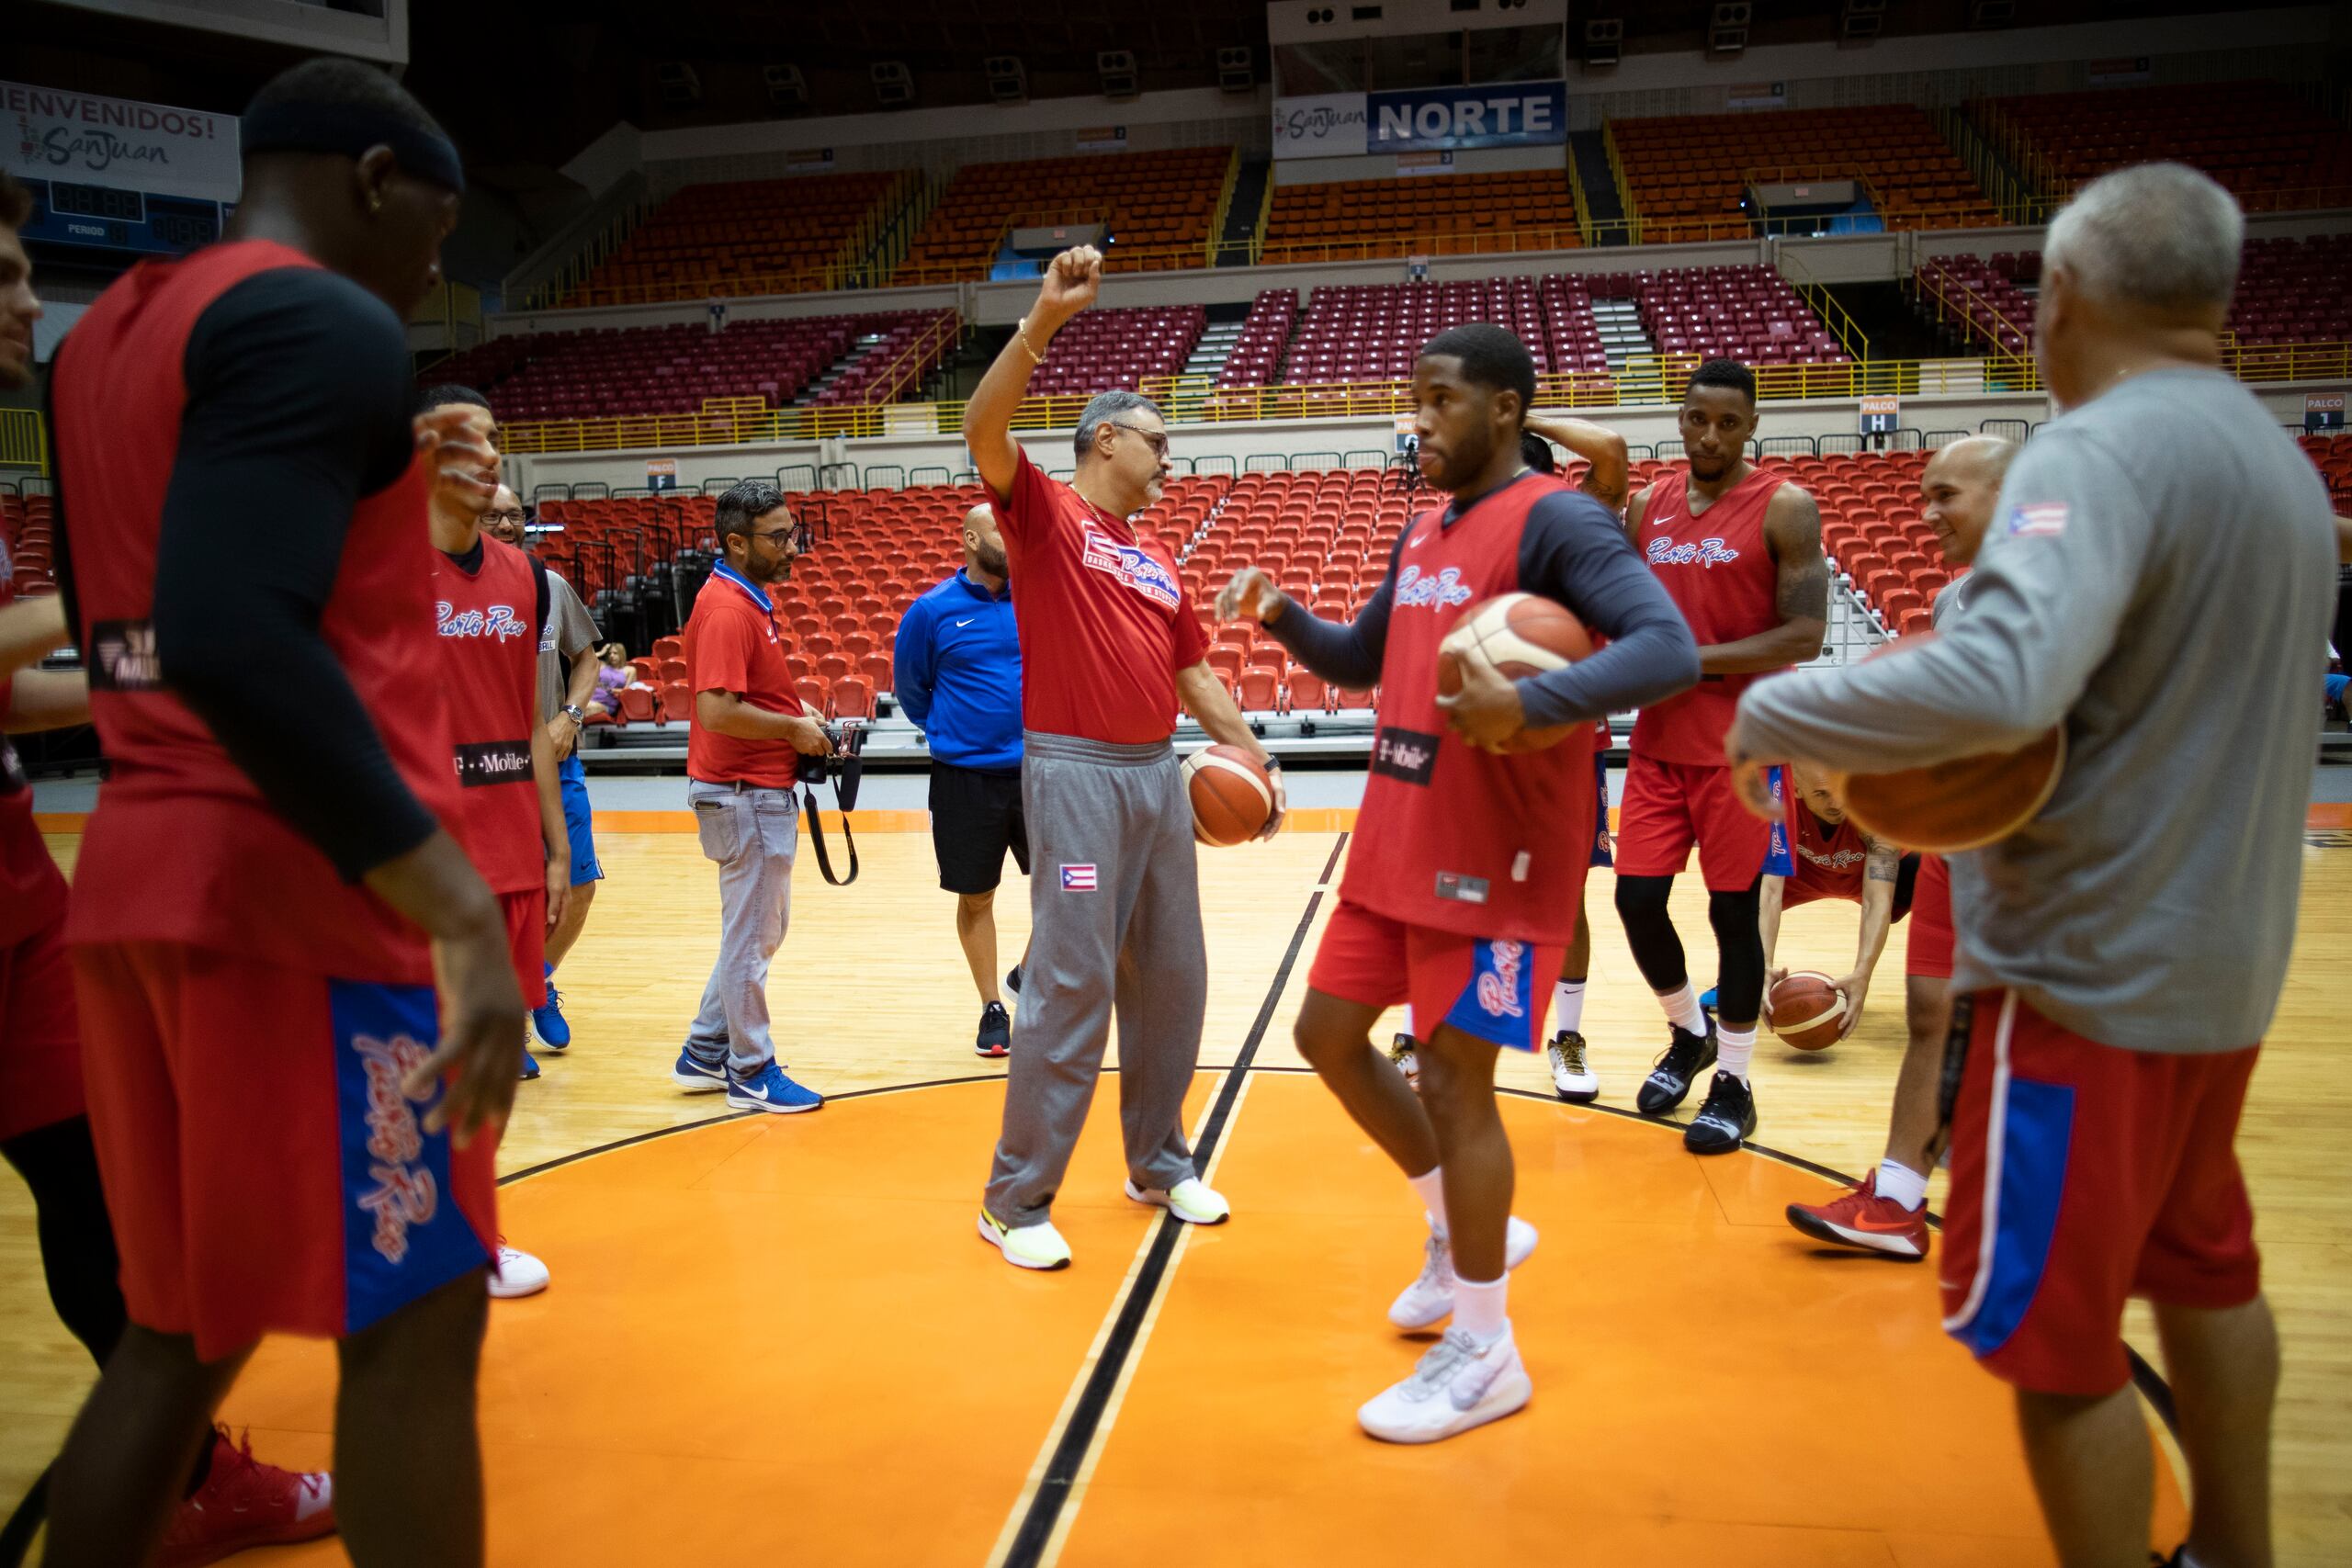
(2039, 520)
(1078, 878)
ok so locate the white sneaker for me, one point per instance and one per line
(1407, 1058)
(1572, 1075)
(1459, 1384)
(1027, 1246)
(1190, 1201)
(518, 1274)
(1430, 1297)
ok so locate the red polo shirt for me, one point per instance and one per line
(1104, 620)
(735, 644)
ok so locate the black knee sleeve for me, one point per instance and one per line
(1740, 979)
(1649, 931)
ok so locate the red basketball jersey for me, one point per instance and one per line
(1718, 570)
(1829, 861)
(32, 893)
(1449, 836)
(490, 672)
(182, 848)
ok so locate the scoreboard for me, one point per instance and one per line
(108, 219)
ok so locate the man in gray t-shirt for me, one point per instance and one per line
(2158, 579)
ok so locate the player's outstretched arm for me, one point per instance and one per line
(1070, 284)
(1792, 529)
(46, 699)
(1882, 872)
(1344, 653)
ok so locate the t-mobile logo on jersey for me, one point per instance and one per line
(1705, 553)
(498, 621)
(1444, 588)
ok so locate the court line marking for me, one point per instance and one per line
(1036, 1514)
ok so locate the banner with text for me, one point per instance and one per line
(1503, 114)
(1321, 125)
(82, 139)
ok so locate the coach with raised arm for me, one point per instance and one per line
(1110, 645)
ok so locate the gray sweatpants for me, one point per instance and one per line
(752, 833)
(1114, 904)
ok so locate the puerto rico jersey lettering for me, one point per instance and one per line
(489, 670)
(1719, 572)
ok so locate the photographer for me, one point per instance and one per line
(957, 671)
(741, 761)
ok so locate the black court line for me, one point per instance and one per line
(1061, 1469)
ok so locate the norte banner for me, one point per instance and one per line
(1502, 114)
(84, 139)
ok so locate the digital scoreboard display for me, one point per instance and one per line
(103, 218)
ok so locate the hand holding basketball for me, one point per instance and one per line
(1251, 596)
(1486, 710)
(1072, 280)
(1855, 988)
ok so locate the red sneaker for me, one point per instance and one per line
(1860, 1217)
(245, 1503)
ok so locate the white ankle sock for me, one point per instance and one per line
(1406, 1028)
(1683, 1009)
(1430, 1188)
(1733, 1049)
(1900, 1182)
(1482, 1311)
(1567, 1004)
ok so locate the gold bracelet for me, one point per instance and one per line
(1021, 334)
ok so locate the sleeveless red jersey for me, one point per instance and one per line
(1718, 570)
(33, 892)
(490, 675)
(1829, 861)
(182, 848)
(1449, 836)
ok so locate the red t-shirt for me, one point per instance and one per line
(490, 674)
(1718, 570)
(1105, 621)
(32, 894)
(1829, 861)
(1449, 836)
(734, 644)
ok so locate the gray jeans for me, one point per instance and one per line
(1115, 903)
(751, 831)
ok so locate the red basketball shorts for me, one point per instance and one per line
(40, 1051)
(1929, 956)
(526, 939)
(264, 1167)
(2083, 1175)
(1497, 991)
(1668, 806)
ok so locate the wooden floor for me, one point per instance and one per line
(1231, 1436)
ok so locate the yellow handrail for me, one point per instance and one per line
(24, 440)
(1631, 221)
(1825, 304)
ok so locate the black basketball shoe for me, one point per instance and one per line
(1687, 1055)
(1726, 1120)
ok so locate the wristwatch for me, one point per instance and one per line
(577, 717)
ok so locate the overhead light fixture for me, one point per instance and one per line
(787, 88)
(1116, 67)
(1604, 42)
(1008, 78)
(894, 85)
(1728, 27)
(1859, 20)
(1236, 70)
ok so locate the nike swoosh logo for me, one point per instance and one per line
(754, 1093)
(961, 625)
(1862, 1225)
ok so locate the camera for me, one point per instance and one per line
(842, 765)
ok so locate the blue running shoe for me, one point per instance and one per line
(695, 1077)
(554, 1033)
(769, 1090)
(1707, 1002)
(530, 1065)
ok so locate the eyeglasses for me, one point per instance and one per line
(497, 517)
(1158, 438)
(774, 535)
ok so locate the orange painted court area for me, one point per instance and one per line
(780, 1341)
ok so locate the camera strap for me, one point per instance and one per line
(847, 769)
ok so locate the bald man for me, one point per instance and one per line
(1886, 1211)
(957, 671)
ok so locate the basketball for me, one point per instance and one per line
(1230, 794)
(1517, 635)
(1808, 1010)
(1964, 804)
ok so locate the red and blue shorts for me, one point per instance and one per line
(1498, 991)
(1668, 806)
(2083, 1175)
(1929, 956)
(526, 941)
(264, 1168)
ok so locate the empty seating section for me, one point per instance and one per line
(908, 346)
(1257, 353)
(1686, 173)
(28, 527)
(1978, 303)
(2332, 456)
(1372, 331)
(1749, 313)
(1158, 205)
(1872, 530)
(1106, 350)
(1438, 215)
(746, 237)
(2277, 153)
(2293, 291)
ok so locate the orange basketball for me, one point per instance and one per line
(1519, 635)
(1808, 1010)
(1231, 795)
(1960, 805)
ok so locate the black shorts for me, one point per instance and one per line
(975, 817)
(1906, 886)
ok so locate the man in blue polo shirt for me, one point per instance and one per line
(957, 671)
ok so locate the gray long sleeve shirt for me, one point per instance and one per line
(2158, 576)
